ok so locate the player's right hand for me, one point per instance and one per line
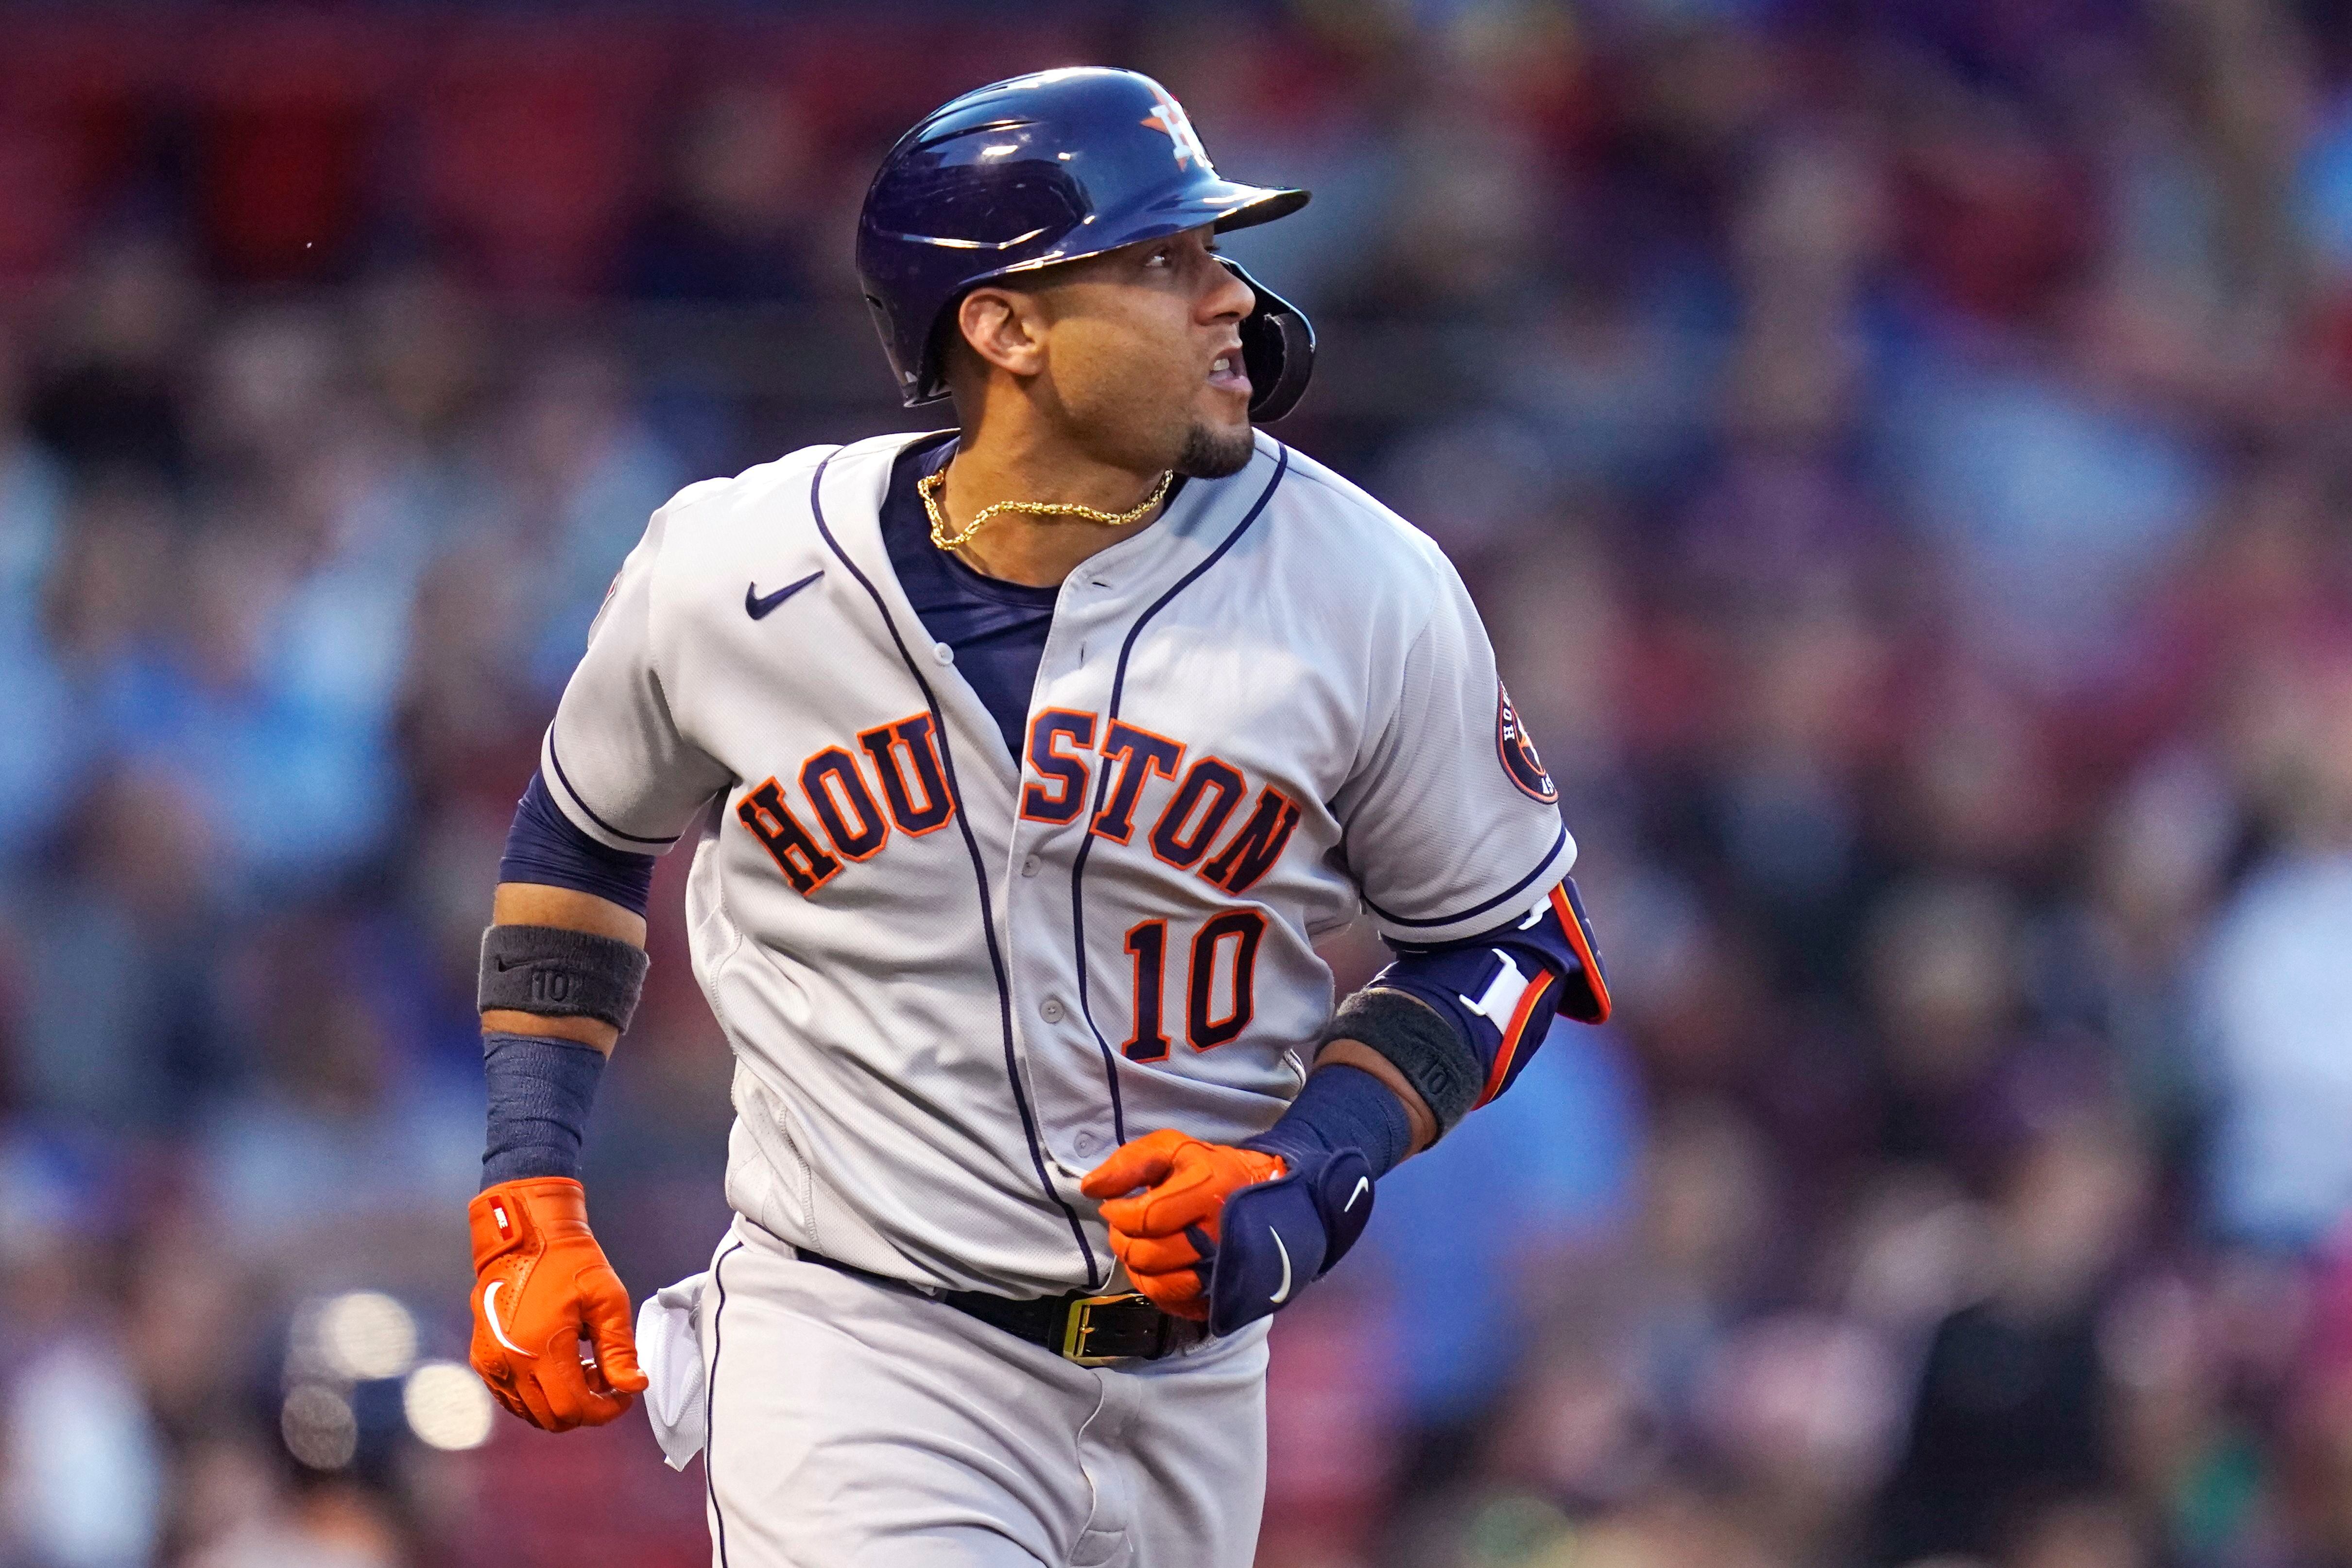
(1164, 1197)
(542, 1295)
(1226, 1236)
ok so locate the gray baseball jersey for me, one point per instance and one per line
(955, 979)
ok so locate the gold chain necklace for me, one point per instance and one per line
(928, 489)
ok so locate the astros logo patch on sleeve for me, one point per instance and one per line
(1519, 753)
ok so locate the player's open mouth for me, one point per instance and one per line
(1227, 375)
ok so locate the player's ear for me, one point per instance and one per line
(1005, 327)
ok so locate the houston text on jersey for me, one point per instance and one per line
(853, 820)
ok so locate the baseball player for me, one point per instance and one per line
(1023, 762)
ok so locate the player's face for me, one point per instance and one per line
(1144, 356)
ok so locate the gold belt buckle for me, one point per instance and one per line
(1080, 1328)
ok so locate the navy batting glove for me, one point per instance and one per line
(1276, 1237)
(1225, 1235)
(1344, 1132)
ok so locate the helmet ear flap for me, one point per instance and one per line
(1278, 350)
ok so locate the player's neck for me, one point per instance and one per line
(1018, 547)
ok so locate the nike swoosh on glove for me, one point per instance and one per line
(542, 1290)
(1228, 1236)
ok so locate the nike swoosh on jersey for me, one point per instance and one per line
(1363, 1185)
(1282, 1295)
(757, 607)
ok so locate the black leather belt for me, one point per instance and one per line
(1092, 1330)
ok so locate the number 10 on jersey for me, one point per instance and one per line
(1218, 984)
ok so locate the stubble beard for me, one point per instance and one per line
(1211, 453)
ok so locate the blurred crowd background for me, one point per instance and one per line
(1901, 448)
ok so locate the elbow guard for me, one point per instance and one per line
(1462, 1021)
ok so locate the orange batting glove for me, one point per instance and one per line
(1166, 1233)
(542, 1290)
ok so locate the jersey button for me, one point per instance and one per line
(943, 653)
(1050, 1010)
(1085, 1143)
(1029, 864)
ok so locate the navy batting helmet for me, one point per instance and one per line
(1047, 168)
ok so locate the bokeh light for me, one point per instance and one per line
(319, 1426)
(447, 1406)
(366, 1334)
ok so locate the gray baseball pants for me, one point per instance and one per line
(855, 1424)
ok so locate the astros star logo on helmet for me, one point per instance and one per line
(1170, 117)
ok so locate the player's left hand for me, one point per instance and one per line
(1227, 1236)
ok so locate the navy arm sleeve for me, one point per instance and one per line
(544, 847)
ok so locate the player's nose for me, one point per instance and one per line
(1227, 298)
